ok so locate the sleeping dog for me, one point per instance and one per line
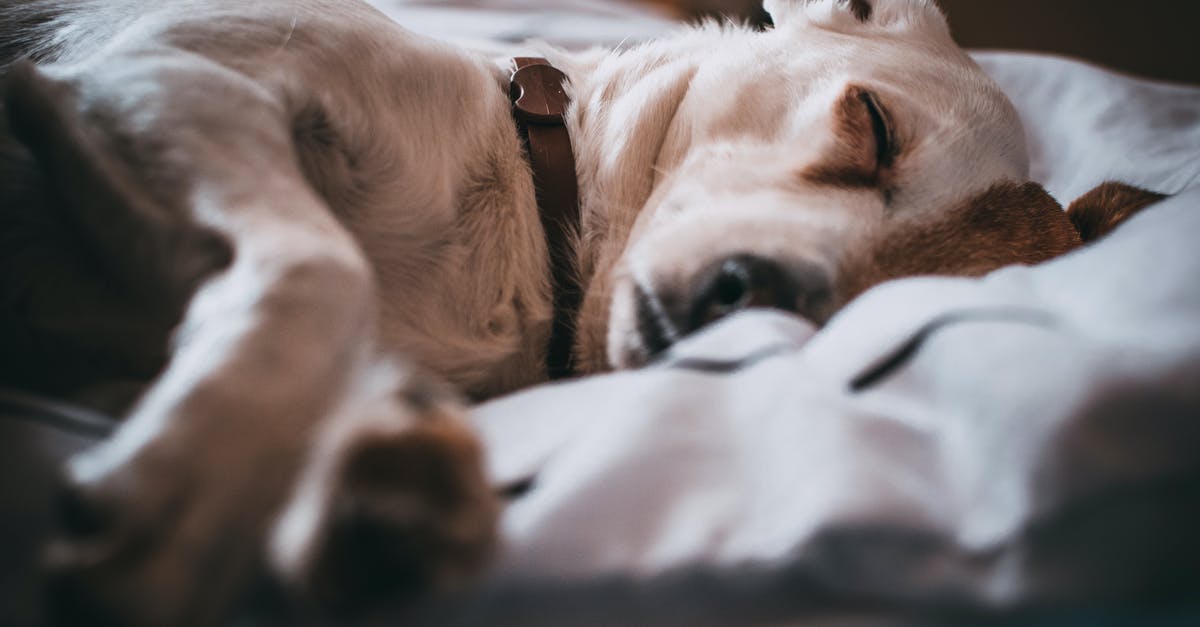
(315, 235)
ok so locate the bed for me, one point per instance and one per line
(1021, 448)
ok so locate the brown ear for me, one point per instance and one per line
(1098, 212)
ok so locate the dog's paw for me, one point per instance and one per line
(384, 500)
(411, 515)
(389, 510)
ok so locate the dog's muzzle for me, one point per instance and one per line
(667, 313)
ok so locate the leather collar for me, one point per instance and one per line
(539, 102)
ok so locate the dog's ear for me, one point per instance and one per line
(1098, 212)
(153, 252)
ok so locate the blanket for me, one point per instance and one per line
(1022, 442)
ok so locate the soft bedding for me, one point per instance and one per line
(1022, 442)
(943, 449)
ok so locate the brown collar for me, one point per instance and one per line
(539, 103)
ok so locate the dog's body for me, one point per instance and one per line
(318, 198)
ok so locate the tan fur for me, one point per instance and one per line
(333, 220)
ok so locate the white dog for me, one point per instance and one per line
(335, 223)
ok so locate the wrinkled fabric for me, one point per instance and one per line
(1085, 125)
(1031, 438)
(1028, 392)
(1027, 439)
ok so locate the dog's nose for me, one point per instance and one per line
(744, 281)
(734, 283)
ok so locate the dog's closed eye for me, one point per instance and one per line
(881, 127)
(865, 146)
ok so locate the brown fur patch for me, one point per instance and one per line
(859, 158)
(413, 513)
(1009, 223)
(1098, 212)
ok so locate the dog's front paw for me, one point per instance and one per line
(386, 499)
(389, 510)
(412, 514)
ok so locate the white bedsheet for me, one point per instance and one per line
(1029, 437)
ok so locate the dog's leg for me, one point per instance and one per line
(168, 520)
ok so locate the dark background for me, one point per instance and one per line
(1152, 38)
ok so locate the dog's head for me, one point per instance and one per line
(852, 143)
